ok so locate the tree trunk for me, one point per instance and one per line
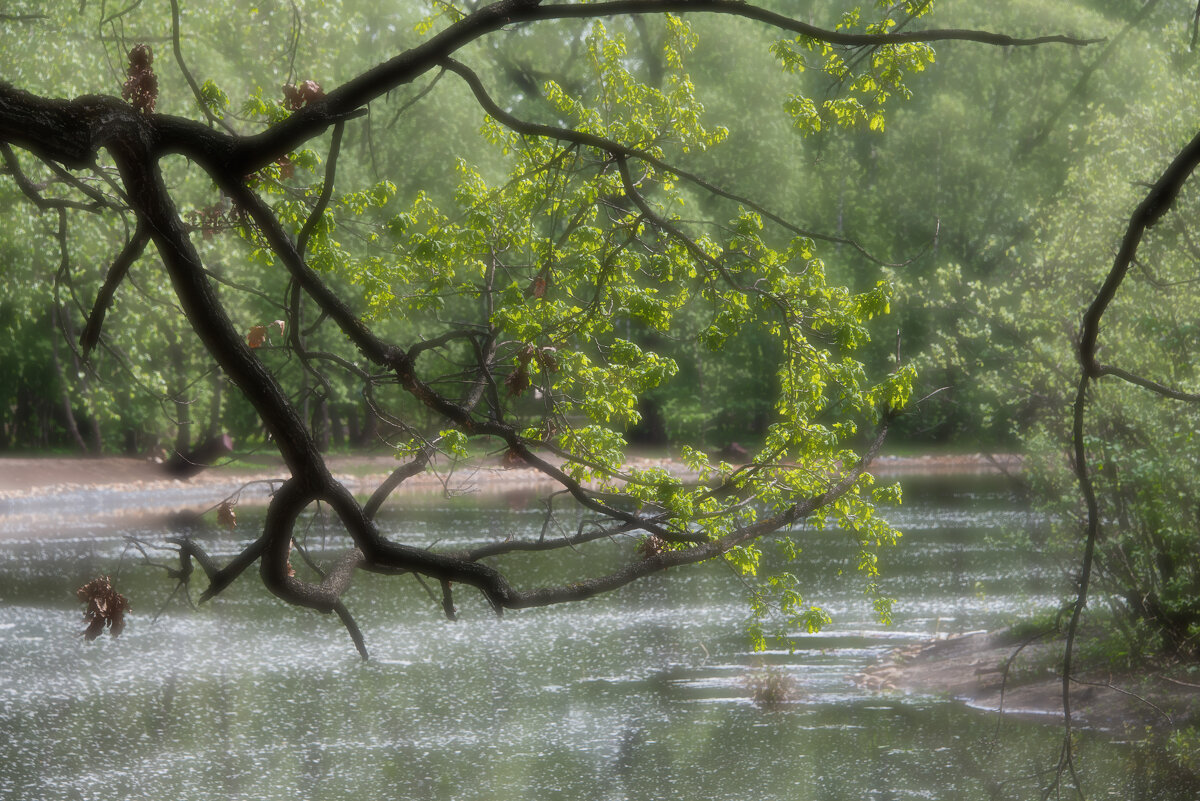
(183, 410)
(320, 424)
(72, 335)
(64, 391)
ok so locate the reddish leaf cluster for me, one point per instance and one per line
(220, 216)
(518, 380)
(651, 545)
(226, 516)
(297, 96)
(105, 607)
(257, 337)
(141, 87)
(537, 288)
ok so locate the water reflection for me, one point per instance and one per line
(636, 695)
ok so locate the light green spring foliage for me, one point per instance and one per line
(868, 78)
(576, 271)
(570, 274)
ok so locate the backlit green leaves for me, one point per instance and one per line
(864, 78)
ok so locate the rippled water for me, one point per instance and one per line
(637, 695)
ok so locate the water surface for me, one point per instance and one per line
(641, 694)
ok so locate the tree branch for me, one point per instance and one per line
(116, 274)
(511, 122)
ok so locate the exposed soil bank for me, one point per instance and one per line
(1003, 672)
(54, 496)
(21, 477)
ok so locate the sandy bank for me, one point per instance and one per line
(21, 477)
(1002, 672)
(72, 496)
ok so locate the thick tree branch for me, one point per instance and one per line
(242, 156)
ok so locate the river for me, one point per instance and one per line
(642, 694)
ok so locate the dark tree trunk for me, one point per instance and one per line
(214, 409)
(336, 430)
(64, 391)
(320, 424)
(183, 409)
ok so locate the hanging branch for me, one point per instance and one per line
(1157, 202)
(116, 274)
(511, 122)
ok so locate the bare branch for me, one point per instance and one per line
(177, 47)
(494, 110)
(116, 274)
(398, 477)
(30, 191)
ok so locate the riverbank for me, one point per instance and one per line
(1019, 675)
(23, 477)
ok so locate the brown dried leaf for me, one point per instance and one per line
(297, 96)
(518, 380)
(226, 516)
(257, 336)
(104, 607)
(545, 357)
(286, 168)
(651, 545)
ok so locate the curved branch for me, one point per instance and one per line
(497, 113)
(116, 274)
(335, 147)
(242, 156)
(667, 559)
(356, 635)
(30, 191)
(398, 477)
(1157, 202)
